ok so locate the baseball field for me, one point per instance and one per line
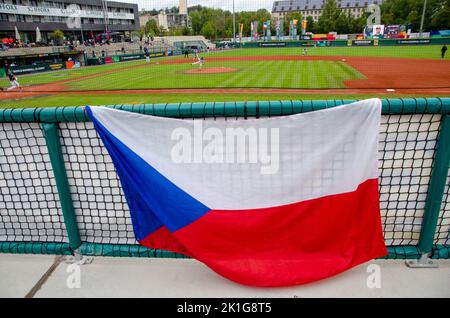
(244, 75)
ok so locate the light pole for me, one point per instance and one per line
(234, 24)
(423, 17)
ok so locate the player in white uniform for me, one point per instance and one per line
(13, 80)
(200, 62)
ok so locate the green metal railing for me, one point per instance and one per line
(50, 118)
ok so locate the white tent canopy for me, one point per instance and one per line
(38, 35)
(17, 33)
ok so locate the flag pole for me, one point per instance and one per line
(423, 17)
(234, 24)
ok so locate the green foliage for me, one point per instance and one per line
(58, 36)
(334, 19)
(330, 16)
(437, 14)
(151, 28)
(311, 24)
(218, 24)
(292, 16)
(209, 30)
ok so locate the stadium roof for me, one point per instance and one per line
(300, 5)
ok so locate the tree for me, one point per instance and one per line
(58, 36)
(440, 20)
(310, 24)
(208, 30)
(330, 15)
(437, 14)
(151, 28)
(292, 16)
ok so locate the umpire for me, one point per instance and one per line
(443, 51)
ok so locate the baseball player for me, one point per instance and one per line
(13, 80)
(200, 62)
(147, 54)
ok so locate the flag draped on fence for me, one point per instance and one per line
(264, 202)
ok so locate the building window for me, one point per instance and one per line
(20, 18)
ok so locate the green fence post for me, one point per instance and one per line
(59, 170)
(435, 195)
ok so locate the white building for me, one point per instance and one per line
(314, 8)
(169, 20)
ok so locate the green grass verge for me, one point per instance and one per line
(114, 99)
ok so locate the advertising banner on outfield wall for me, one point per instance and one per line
(414, 41)
(362, 42)
(272, 44)
(19, 70)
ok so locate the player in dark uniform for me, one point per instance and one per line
(147, 54)
(443, 51)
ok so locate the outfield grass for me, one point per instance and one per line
(416, 52)
(430, 51)
(249, 74)
(117, 99)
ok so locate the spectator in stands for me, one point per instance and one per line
(443, 51)
(6, 67)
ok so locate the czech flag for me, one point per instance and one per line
(264, 202)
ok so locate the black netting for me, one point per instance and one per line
(30, 210)
(29, 203)
(100, 205)
(407, 147)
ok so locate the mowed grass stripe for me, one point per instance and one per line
(268, 75)
(313, 75)
(327, 71)
(244, 75)
(297, 75)
(287, 74)
(279, 78)
(250, 76)
(261, 74)
(351, 72)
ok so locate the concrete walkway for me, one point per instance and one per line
(50, 276)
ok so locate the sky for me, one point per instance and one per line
(240, 5)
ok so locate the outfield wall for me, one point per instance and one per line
(341, 43)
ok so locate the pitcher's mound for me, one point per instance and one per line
(211, 70)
